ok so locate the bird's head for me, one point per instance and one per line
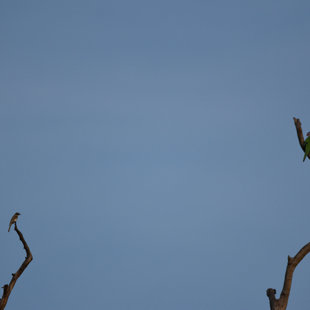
(308, 134)
(17, 213)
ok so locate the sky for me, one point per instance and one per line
(151, 151)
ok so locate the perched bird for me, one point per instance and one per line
(13, 219)
(307, 146)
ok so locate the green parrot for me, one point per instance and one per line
(307, 146)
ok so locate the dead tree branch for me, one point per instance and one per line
(300, 134)
(292, 262)
(7, 288)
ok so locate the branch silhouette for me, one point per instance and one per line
(300, 134)
(292, 262)
(7, 288)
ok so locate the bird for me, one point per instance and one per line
(307, 146)
(13, 219)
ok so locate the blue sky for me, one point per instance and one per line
(151, 150)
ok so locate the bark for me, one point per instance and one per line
(292, 262)
(300, 134)
(7, 288)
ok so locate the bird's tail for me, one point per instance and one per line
(305, 157)
(9, 228)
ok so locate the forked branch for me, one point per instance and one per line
(7, 288)
(292, 262)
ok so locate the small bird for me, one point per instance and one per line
(13, 219)
(307, 146)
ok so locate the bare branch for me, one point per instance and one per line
(7, 288)
(281, 303)
(300, 134)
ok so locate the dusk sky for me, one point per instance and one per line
(151, 151)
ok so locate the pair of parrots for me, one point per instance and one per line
(307, 146)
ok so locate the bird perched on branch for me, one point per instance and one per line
(13, 219)
(307, 146)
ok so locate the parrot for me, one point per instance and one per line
(307, 146)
